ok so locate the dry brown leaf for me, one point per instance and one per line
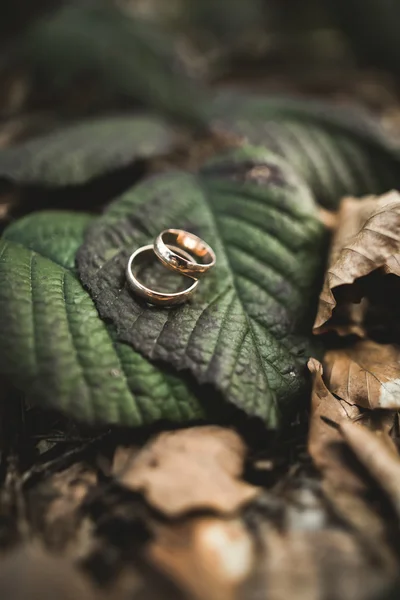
(367, 238)
(323, 438)
(343, 484)
(366, 374)
(328, 414)
(191, 469)
(208, 557)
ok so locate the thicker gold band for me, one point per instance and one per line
(184, 242)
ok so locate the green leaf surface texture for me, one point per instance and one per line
(53, 344)
(338, 151)
(246, 330)
(95, 351)
(75, 154)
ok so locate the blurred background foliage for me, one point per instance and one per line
(85, 55)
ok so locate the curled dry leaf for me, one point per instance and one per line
(209, 558)
(367, 238)
(191, 469)
(366, 374)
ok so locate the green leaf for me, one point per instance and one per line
(53, 344)
(127, 57)
(75, 154)
(338, 152)
(246, 329)
(54, 235)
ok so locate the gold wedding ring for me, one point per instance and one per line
(179, 251)
(141, 257)
(175, 261)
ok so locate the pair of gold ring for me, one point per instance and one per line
(179, 251)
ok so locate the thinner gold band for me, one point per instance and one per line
(152, 296)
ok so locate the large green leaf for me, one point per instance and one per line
(53, 344)
(339, 152)
(246, 329)
(75, 154)
(132, 58)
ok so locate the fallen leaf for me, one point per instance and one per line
(328, 414)
(343, 484)
(367, 238)
(191, 469)
(208, 557)
(325, 408)
(366, 374)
